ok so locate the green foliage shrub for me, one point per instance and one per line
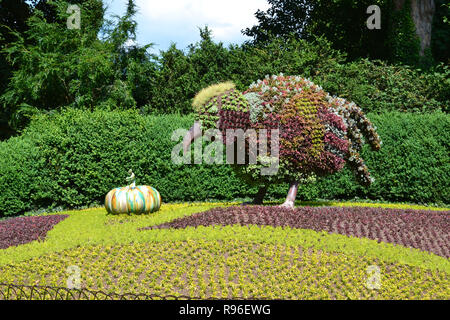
(74, 149)
(74, 158)
(376, 86)
(181, 75)
(403, 42)
(49, 66)
(19, 174)
(440, 45)
(289, 56)
(344, 24)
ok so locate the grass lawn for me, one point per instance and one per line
(126, 254)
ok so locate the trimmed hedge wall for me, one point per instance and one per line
(74, 158)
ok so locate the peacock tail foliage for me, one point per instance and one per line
(318, 133)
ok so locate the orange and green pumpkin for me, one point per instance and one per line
(133, 199)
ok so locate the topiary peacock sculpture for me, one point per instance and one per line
(318, 133)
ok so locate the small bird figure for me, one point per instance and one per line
(131, 180)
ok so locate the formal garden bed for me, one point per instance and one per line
(425, 230)
(17, 231)
(298, 257)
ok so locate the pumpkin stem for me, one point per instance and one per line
(131, 179)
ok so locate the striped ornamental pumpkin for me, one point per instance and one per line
(131, 199)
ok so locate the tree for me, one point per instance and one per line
(59, 67)
(181, 74)
(405, 34)
(342, 22)
(282, 18)
(13, 16)
(440, 45)
(136, 66)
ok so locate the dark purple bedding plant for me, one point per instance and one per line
(17, 231)
(420, 229)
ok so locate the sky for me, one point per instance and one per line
(165, 21)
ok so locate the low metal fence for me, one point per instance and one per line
(35, 292)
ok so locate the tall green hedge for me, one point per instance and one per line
(74, 158)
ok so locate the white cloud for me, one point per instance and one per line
(226, 19)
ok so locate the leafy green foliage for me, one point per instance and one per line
(13, 15)
(56, 66)
(289, 56)
(376, 86)
(341, 22)
(344, 24)
(73, 159)
(81, 154)
(403, 42)
(373, 85)
(441, 31)
(282, 18)
(19, 167)
(181, 75)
